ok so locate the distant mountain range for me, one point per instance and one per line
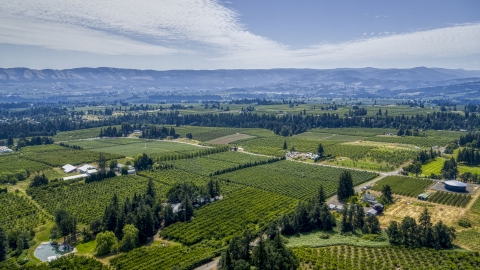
(359, 81)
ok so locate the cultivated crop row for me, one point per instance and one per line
(60, 156)
(294, 179)
(13, 163)
(163, 258)
(448, 198)
(405, 186)
(19, 213)
(354, 257)
(247, 208)
(88, 201)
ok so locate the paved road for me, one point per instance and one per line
(209, 266)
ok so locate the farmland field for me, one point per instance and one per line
(55, 155)
(163, 258)
(78, 134)
(448, 198)
(469, 238)
(294, 179)
(230, 138)
(476, 206)
(209, 164)
(418, 141)
(13, 163)
(18, 212)
(88, 201)
(133, 147)
(171, 176)
(329, 137)
(247, 208)
(362, 132)
(406, 186)
(352, 257)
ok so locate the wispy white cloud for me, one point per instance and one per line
(205, 27)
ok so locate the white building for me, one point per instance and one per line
(69, 168)
(73, 177)
(5, 150)
(86, 167)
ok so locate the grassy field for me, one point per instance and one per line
(317, 239)
(469, 239)
(433, 167)
(400, 209)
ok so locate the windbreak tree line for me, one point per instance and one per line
(409, 233)
(286, 125)
(267, 254)
(308, 216)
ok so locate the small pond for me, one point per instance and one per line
(47, 251)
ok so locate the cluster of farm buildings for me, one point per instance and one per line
(5, 150)
(301, 155)
(87, 170)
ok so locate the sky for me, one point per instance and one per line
(239, 34)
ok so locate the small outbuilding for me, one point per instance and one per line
(85, 168)
(423, 196)
(454, 185)
(372, 212)
(367, 197)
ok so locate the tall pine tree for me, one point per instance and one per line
(345, 186)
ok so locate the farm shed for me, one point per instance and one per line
(372, 212)
(85, 168)
(74, 177)
(4, 150)
(69, 168)
(423, 196)
(454, 185)
(367, 197)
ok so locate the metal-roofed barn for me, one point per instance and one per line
(454, 185)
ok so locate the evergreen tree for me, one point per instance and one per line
(320, 150)
(321, 198)
(359, 217)
(409, 232)
(444, 235)
(449, 169)
(259, 255)
(425, 228)
(102, 163)
(372, 225)
(3, 245)
(10, 141)
(39, 180)
(345, 186)
(394, 234)
(285, 147)
(387, 193)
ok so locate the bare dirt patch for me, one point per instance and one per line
(230, 138)
(400, 209)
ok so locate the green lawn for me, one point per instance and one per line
(316, 239)
(433, 167)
